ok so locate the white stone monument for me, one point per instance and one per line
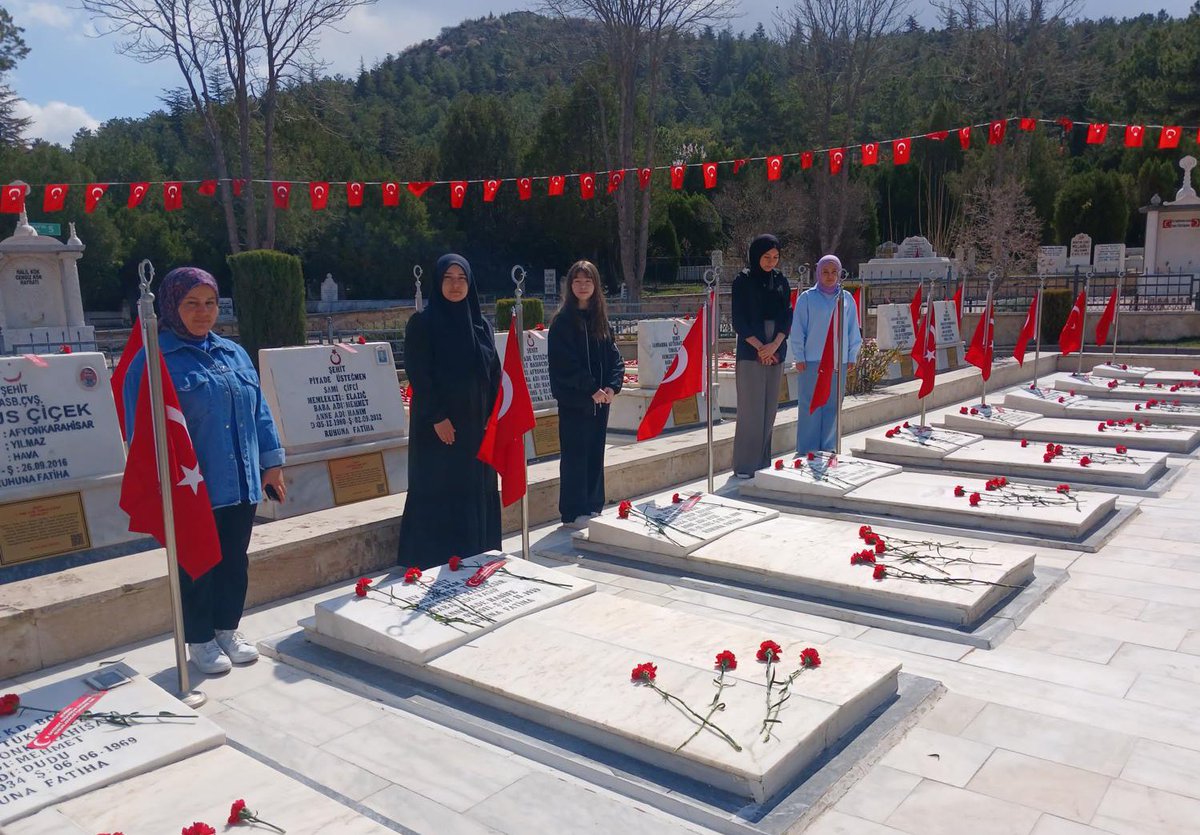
(950, 352)
(913, 259)
(329, 289)
(61, 457)
(1081, 251)
(1051, 259)
(658, 343)
(1109, 258)
(342, 422)
(543, 440)
(40, 304)
(1173, 229)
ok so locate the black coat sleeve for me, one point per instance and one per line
(742, 310)
(418, 365)
(616, 367)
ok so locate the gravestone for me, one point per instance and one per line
(1081, 251)
(36, 771)
(887, 249)
(329, 289)
(341, 421)
(1109, 258)
(1173, 235)
(914, 258)
(894, 327)
(949, 342)
(61, 457)
(658, 343)
(677, 529)
(536, 361)
(40, 304)
(1051, 259)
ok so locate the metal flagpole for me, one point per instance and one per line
(1037, 351)
(933, 279)
(518, 277)
(1083, 323)
(987, 327)
(838, 364)
(710, 346)
(158, 414)
(1116, 321)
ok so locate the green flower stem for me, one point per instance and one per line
(703, 720)
(112, 717)
(713, 706)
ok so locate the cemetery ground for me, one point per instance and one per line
(1082, 716)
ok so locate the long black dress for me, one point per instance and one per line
(453, 507)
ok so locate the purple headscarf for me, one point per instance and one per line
(828, 259)
(175, 285)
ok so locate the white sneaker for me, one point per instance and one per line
(209, 659)
(239, 650)
(579, 524)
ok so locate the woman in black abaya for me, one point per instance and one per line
(453, 507)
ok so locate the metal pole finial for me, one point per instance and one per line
(145, 275)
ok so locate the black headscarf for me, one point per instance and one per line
(759, 247)
(461, 338)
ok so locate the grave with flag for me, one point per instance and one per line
(1027, 330)
(503, 445)
(1070, 339)
(979, 353)
(685, 378)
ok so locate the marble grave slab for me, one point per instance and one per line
(1163, 412)
(1042, 400)
(1041, 430)
(1102, 388)
(822, 475)
(1122, 371)
(910, 442)
(676, 529)
(991, 420)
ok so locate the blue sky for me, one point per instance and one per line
(72, 78)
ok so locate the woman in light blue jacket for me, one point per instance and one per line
(810, 326)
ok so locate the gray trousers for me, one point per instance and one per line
(757, 401)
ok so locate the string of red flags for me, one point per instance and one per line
(54, 195)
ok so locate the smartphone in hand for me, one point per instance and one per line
(272, 493)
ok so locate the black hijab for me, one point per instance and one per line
(461, 338)
(759, 247)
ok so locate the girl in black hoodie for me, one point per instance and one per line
(586, 371)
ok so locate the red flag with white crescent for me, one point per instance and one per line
(981, 349)
(458, 193)
(1026, 333)
(173, 196)
(901, 151)
(1027, 123)
(644, 175)
(12, 199)
(615, 178)
(1106, 318)
(391, 193)
(996, 131)
(824, 383)
(55, 197)
(964, 137)
(677, 172)
(739, 164)
(774, 167)
(557, 185)
(490, 187)
(524, 187)
(132, 348)
(914, 308)
(836, 157)
(1134, 134)
(281, 192)
(354, 194)
(503, 444)
(587, 186)
(710, 174)
(1070, 339)
(1097, 133)
(870, 153)
(318, 195)
(1169, 137)
(806, 160)
(924, 353)
(92, 196)
(137, 192)
(684, 378)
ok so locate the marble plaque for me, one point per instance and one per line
(1081, 251)
(1109, 258)
(1170, 377)
(894, 327)
(536, 361)
(1044, 401)
(1121, 371)
(823, 475)
(661, 526)
(994, 457)
(442, 611)
(57, 421)
(1051, 259)
(1042, 430)
(990, 420)
(333, 395)
(658, 343)
(91, 754)
(1185, 414)
(921, 442)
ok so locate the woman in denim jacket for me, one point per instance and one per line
(236, 445)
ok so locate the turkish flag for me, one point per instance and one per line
(684, 378)
(806, 160)
(857, 296)
(1027, 123)
(958, 304)
(870, 153)
(1071, 338)
(1106, 318)
(557, 183)
(137, 191)
(836, 157)
(12, 199)
(981, 349)
(196, 543)
(996, 131)
(795, 295)
(710, 174)
(524, 187)
(207, 188)
(318, 196)
(615, 178)
(644, 177)
(677, 172)
(354, 194)
(1026, 333)
(914, 308)
(739, 164)
(55, 197)
(587, 186)
(824, 382)
(1097, 133)
(391, 193)
(238, 185)
(282, 193)
(1134, 134)
(924, 353)
(964, 137)
(92, 196)
(132, 348)
(774, 167)
(901, 151)
(172, 196)
(458, 193)
(490, 187)
(415, 189)
(1067, 126)
(503, 444)
(938, 135)
(1169, 137)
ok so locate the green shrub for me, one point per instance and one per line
(872, 366)
(1056, 307)
(533, 312)
(268, 295)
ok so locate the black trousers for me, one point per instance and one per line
(216, 599)
(581, 436)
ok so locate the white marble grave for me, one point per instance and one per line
(991, 420)
(1121, 371)
(338, 411)
(1051, 259)
(536, 361)
(1081, 251)
(1042, 430)
(910, 442)
(1169, 377)
(1163, 413)
(376, 624)
(1111, 388)
(821, 475)
(676, 529)
(950, 351)
(1109, 258)
(60, 450)
(1042, 400)
(659, 341)
(40, 303)
(91, 754)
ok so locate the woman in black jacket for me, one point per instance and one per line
(762, 319)
(586, 371)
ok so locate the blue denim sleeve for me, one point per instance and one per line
(129, 391)
(270, 450)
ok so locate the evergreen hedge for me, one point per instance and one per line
(1056, 307)
(532, 312)
(268, 296)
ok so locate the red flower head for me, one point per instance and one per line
(1174, 402)
(1138, 427)
(1050, 447)
(962, 410)
(64, 349)
(1100, 427)
(1058, 449)
(360, 588)
(1112, 384)
(644, 672)
(412, 575)
(768, 651)
(891, 433)
(1111, 422)
(1158, 385)
(1122, 449)
(539, 327)
(1141, 384)
(779, 463)
(1071, 392)
(1047, 457)
(454, 563)
(974, 411)
(879, 573)
(1085, 461)
(880, 546)
(1137, 407)
(1062, 400)
(726, 660)
(623, 509)
(863, 530)
(811, 456)
(1151, 403)
(362, 340)
(865, 557)
(797, 463)
(239, 806)
(960, 491)
(809, 658)
(198, 828)
(675, 498)
(10, 703)
(1064, 488)
(1024, 443)
(974, 500)
(905, 426)
(1002, 481)
(990, 484)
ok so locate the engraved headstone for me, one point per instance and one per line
(658, 343)
(536, 360)
(1109, 258)
(1081, 251)
(40, 304)
(329, 289)
(1051, 259)
(677, 529)
(894, 327)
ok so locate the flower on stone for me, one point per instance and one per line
(880, 571)
(10, 703)
(959, 490)
(974, 411)
(1058, 449)
(779, 463)
(64, 349)
(962, 410)
(1138, 427)
(797, 463)
(362, 340)
(675, 498)
(1085, 461)
(863, 530)
(1137, 407)
(1111, 422)
(1112, 384)
(1047, 457)
(1071, 392)
(198, 828)
(1141, 384)
(768, 652)
(864, 557)
(1100, 427)
(360, 588)
(974, 502)
(1064, 488)
(1062, 400)
(905, 426)
(238, 813)
(1024, 443)
(1122, 449)
(809, 658)
(623, 509)
(454, 563)
(412, 575)
(1174, 402)
(644, 672)
(239, 806)
(811, 456)
(726, 660)
(880, 546)
(891, 433)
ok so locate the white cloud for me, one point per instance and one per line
(369, 33)
(55, 121)
(46, 14)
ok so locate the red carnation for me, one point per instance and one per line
(1047, 457)
(962, 410)
(879, 573)
(726, 660)
(797, 464)
(880, 546)
(1138, 427)
(360, 588)
(1100, 427)
(1024, 443)
(809, 658)
(198, 828)
(1062, 400)
(974, 411)
(959, 490)
(1112, 384)
(890, 433)
(10, 703)
(779, 463)
(623, 509)
(1071, 392)
(675, 498)
(1121, 449)
(412, 575)
(64, 349)
(1064, 488)
(1111, 422)
(1058, 449)
(1085, 461)
(768, 651)
(974, 500)
(905, 426)
(235, 811)
(362, 340)
(644, 672)
(454, 563)
(863, 530)
(1050, 447)
(811, 456)
(1137, 407)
